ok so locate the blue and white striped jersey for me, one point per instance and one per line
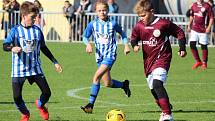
(104, 37)
(31, 39)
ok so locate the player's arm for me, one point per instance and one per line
(190, 20)
(211, 16)
(177, 32)
(10, 43)
(135, 39)
(87, 33)
(124, 38)
(7, 47)
(48, 54)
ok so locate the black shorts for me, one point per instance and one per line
(31, 79)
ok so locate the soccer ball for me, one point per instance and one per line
(115, 115)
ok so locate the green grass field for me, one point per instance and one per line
(192, 92)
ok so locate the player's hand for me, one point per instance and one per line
(182, 53)
(58, 68)
(208, 30)
(16, 49)
(136, 49)
(188, 29)
(89, 48)
(126, 49)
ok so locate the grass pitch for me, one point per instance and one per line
(191, 92)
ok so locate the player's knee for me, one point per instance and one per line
(193, 45)
(204, 47)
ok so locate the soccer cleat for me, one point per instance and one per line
(166, 117)
(204, 66)
(43, 111)
(196, 65)
(25, 117)
(126, 88)
(88, 108)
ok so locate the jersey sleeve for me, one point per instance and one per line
(41, 38)
(210, 12)
(87, 33)
(176, 31)
(118, 29)
(11, 37)
(135, 36)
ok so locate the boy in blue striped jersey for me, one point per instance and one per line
(104, 32)
(25, 41)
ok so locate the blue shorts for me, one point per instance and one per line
(107, 61)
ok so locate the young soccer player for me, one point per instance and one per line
(154, 32)
(199, 28)
(104, 30)
(25, 41)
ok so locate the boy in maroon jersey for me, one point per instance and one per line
(154, 32)
(199, 28)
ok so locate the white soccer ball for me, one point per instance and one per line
(115, 115)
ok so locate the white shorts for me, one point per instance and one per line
(202, 38)
(159, 74)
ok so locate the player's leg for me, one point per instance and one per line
(108, 82)
(194, 37)
(204, 46)
(204, 56)
(17, 85)
(41, 81)
(95, 88)
(155, 81)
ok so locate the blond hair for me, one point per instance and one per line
(101, 2)
(143, 5)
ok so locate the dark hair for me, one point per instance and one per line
(143, 5)
(211, 1)
(28, 7)
(40, 7)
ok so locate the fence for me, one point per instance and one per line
(57, 28)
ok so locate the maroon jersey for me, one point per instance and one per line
(201, 14)
(156, 48)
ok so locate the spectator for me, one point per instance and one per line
(5, 18)
(85, 6)
(68, 12)
(38, 5)
(113, 8)
(199, 26)
(39, 20)
(211, 2)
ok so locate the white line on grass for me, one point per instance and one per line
(73, 93)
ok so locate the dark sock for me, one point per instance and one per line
(196, 55)
(205, 56)
(116, 84)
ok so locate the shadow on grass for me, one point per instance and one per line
(8, 103)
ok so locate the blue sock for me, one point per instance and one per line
(94, 92)
(116, 84)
